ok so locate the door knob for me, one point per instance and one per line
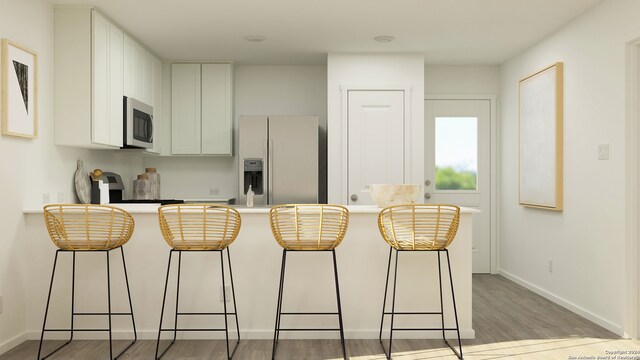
(354, 197)
(427, 196)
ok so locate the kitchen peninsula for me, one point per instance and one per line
(255, 256)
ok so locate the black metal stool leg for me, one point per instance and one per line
(46, 312)
(276, 331)
(224, 305)
(455, 310)
(233, 293)
(441, 301)
(109, 305)
(393, 305)
(133, 321)
(384, 300)
(164, 298)
(73, 292)
(175, 320)
(335, 270)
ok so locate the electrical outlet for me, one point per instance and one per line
(227, 289)
(214, 191)
(603, 152)
(1, 304)
(46, 198)
(550, 265)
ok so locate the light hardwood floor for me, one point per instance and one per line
(510, 321)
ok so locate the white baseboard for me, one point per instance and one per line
(252, 335)
(564, 303)
(11, 343)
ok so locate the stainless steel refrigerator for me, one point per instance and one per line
(279, 158)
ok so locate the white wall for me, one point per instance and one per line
(259, 90)
(587, 240)
(30, 168)
(461, 80)
(384, 70)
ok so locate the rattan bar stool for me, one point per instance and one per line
(419, 227)
(308, 227)
(88, 229)
(201, 228)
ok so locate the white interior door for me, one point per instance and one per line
(458, 164)
(376, 142)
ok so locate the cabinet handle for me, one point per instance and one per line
(354, 197)
(427, 196)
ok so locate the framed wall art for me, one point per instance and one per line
(18, 90)
(541, 131)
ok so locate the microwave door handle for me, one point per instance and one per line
(150, 129)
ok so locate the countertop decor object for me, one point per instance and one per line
(394, 194)
(142, 188)
(82, 184)
(154, 182)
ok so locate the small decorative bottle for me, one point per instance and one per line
(154, 181)
(250, 197)
(142, 188)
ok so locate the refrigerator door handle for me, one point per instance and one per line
(270, 173)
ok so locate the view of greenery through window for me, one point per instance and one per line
(456, 153)
(447, 178)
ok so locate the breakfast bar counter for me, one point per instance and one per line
(256, 259)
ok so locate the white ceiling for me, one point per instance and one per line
(304, 31)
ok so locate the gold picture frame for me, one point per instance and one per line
(540, 112)
(18, 90)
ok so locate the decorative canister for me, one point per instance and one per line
(154, 180)
(142, 188)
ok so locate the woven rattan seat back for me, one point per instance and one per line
(199, 226)
(309, 226)
(88, 227)
(419, 226)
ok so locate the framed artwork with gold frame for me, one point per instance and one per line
(540, 113)
(18, 90)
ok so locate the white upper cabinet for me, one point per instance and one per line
(217, 118)
(96, 64)
(201, 111)
(88, 88)
(138, 71)
(156, 96)
(185, 109)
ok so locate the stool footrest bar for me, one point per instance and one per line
(100, 314)
(217, 329)
(309, 313)
(217, 313)
(424, 329)
(413, 313)
(281, 329)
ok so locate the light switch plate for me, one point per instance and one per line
(603, 152)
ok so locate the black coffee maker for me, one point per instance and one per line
(116, 187)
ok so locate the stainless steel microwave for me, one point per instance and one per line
(138, 124)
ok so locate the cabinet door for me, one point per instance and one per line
(376, 142)
(185, 109)
(217, 118)
(100, 33)
(116, 78)
(129, 61)
(139, 64)
(147, 97)
(157, 106)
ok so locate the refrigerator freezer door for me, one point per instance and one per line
(252, 145)
(293, 159)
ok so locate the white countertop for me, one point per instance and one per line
(153, 209)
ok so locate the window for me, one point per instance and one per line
(456, 153)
